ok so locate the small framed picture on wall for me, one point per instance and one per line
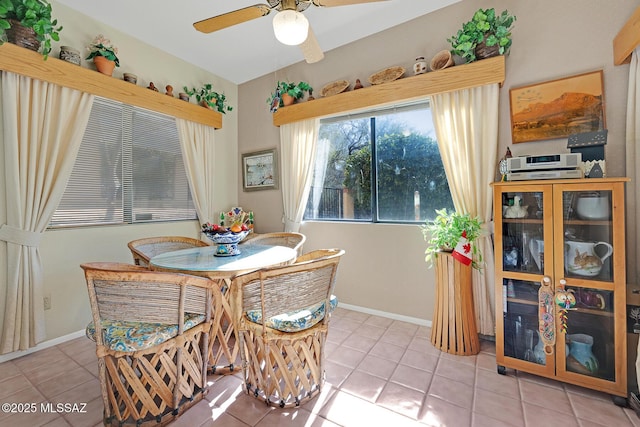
(260, 170)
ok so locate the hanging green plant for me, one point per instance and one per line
(33, 14)
(485, 29)
(213, 99)
(295, 90)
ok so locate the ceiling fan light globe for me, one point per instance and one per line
(290, 27)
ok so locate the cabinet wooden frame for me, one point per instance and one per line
(553, 223)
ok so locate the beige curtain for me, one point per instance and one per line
(298, 150)
(43, 126)
(198, 152)
(466, 125)
(633, 187)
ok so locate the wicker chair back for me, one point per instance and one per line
(153, 384)
(145, 249)
(288, 239)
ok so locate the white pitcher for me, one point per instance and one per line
(580, 257)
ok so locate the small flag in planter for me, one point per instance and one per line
(462, 252)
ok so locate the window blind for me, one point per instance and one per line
(129, 169)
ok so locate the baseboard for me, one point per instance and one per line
(42, 346)
(394, 316)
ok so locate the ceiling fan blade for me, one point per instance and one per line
(232, 18)
(331, 3)
(311, 48)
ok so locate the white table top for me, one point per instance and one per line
(204, 260)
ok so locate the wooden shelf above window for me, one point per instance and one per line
(627, 39)
(28, 63)
(479, 73)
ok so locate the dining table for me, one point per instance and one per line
(223, 344)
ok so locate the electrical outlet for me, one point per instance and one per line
(47, 302)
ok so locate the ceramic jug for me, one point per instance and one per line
(580, 350)
(580, 257)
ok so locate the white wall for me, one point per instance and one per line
(384, 267)
(62, 251)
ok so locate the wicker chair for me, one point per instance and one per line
(282, 357)
(288, 239)
(144, 249)
(152, 344)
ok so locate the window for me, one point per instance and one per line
(129, 169)
(380, 166)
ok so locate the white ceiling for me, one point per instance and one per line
(248, 50)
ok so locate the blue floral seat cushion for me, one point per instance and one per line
(296, 320)
(133, 336)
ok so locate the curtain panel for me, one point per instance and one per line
(197, 143)
(43, 127)
(298, 151)
(466, 124)
(633, 189)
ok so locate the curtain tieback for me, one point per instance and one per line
(20, 237)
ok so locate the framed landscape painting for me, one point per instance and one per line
(260, 170)
(558, 108)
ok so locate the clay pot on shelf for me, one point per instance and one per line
(103, 65)
(287, 99)
(183, 96)
(130, 77)
(70, 54)
(441, 60)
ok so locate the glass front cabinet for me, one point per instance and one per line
(560, 281)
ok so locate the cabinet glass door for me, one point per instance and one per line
(587, 346)
(520, 312)
(523, 232)
(588, 235)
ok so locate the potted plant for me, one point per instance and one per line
(28, 23)
(210, 98)
(289, 92)
(101, 50)
(487, 34)
(444, 232)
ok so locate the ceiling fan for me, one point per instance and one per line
(290, 26)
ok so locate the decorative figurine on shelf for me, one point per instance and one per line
(517, 210)
(358, 85)
(502, 165)
(152, 87)
(169, 89)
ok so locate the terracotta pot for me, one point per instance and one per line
(287, 99)
(205, 104)
(22, 36)
(103, 65)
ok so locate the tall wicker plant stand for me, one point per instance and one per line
(454, 325)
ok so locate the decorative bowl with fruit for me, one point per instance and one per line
(227, 238)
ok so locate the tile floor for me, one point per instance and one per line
(380, 372)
